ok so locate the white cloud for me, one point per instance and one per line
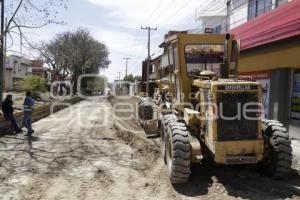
(165, 14)
(122, 44)
(133, 13)
(122, 33)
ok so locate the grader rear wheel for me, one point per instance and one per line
(278, 151)
(146, 110)
(178, 152)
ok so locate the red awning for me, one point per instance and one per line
(278, 24)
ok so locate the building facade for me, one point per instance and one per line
(37, 67)
(16, 69)
(270, 49)
(269, 31)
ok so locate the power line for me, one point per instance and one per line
(168, 5)
(176, 12)
(154, 11)
(209, 6)
(213, 17)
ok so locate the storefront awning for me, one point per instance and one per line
(278, 24)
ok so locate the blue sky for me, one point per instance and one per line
(117, 24)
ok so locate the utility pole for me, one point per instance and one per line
(120, 85)
(2, 51)
(149, 29)
(228, 10)
(126, 65)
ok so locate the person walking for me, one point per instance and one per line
(28, 109)
(8, 113)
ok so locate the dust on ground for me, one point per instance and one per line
(210, 181)
(77, 154)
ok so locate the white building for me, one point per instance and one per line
(16, 69)
(242, 11)
(217, 23)
(234, 13)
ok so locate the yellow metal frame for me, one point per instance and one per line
(185, 39)
(222, 151)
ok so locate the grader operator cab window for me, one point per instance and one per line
(199, 57)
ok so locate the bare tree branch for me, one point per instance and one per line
(31, 10)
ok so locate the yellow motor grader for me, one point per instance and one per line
(209, 112)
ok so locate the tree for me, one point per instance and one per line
(25, 14)
(92, 85)
(74, 53)
(132, 78)
(129, 78)
(34, 83)
(138, 78)
(30, 14)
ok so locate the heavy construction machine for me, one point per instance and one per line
(207, 112)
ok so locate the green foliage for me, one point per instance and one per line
(138, 78)
(132, 78)
(129, 78)
(92, 85)
(34, 83)
(75, 53)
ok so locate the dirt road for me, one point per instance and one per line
(76, 154)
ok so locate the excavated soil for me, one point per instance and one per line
(90, 151)
(210, 181)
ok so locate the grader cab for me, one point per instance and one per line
(211, 113)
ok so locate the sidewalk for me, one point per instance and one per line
(296, 154)
(294, 133)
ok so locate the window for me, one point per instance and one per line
(252, 9)
(152, 69)
(268, 6)
(199, 57)
(176, 57)
(258, 7)
(218, 29)
(170, 52)
(176, 76)
(280, 2)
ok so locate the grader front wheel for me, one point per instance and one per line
(278, 151)
(178, 152)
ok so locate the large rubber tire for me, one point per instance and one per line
(278, 157)
(145, 110)
(166, 119)
(178, 152)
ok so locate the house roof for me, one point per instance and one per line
(278, 24)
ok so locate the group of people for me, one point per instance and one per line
(8, 113)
